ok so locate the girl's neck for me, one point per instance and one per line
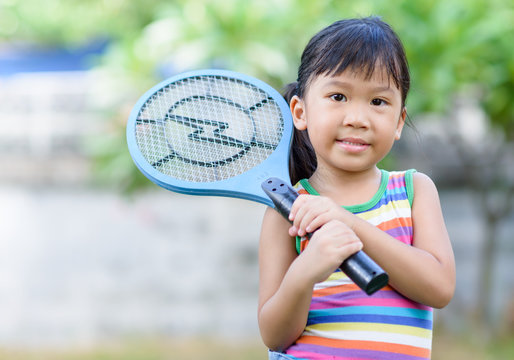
(347, 188)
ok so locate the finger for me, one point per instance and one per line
(293, 231)
(302, 214)
(311, 212)
(303, 218)
(340, 232)
(317, 216)
(297, 204)
(349, 249)
(317, 221)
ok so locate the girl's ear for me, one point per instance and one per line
(297, 107)
(401, 123)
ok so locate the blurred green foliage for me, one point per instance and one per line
(454, 47)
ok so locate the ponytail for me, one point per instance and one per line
(302, 159)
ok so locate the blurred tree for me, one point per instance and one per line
(459, 48)
(461, 54)
(450, 45)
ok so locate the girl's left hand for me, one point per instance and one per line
(310, 212)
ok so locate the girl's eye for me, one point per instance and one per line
(378, 102)
(338, 97)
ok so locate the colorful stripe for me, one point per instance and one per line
(344, 322)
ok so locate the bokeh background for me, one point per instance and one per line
(96, 262)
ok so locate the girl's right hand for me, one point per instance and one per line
(328, 247)
(310, 212)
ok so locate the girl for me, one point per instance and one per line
(348, 108)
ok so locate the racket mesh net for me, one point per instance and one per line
(208, 128)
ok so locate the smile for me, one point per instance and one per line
(353, 145)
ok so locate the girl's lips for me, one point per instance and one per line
(353, 145)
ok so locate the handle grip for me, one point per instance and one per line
(359, 267)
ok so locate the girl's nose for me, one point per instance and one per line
(355, 116)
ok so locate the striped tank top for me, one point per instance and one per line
(344, 322)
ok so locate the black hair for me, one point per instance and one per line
(356, 44)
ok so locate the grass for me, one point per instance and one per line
(446, 347)
(471, 347)
(150, 349)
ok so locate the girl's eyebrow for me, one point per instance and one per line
(344, 84)
(338, 83)
(383, 89)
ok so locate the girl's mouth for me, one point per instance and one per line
(353, 145)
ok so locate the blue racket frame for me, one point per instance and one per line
(244, 186)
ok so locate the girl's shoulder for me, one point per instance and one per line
(423, 182)
(399, 174)
(423, 188)
(404, 181)
(412, 177)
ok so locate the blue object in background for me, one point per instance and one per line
(31, 58)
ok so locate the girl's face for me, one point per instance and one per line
(352, 121)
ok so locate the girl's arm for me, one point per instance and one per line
(423, 272)
(286, 279)
(282, 314)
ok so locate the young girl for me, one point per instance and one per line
(348, 108)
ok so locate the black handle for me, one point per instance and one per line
(359, 267)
